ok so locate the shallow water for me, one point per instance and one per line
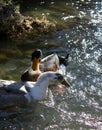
(81, 106)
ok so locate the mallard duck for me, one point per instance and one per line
(32, 73)
(52, 62)
(17, 93)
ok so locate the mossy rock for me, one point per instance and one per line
(15, 25)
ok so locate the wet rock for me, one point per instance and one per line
(15, 25)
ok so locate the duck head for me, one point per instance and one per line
(36, 57)
(52, 78)
(62, 80)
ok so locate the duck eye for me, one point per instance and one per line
(59, 76)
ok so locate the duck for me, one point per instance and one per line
(32, 73)
(52, 62)
(20, 93)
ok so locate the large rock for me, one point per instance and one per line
(15, 25)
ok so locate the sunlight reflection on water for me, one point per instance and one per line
(81, 106)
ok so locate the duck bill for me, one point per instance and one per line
(66, 83)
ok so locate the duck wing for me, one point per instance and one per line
(28, 85)
(11, 87)
(11, 93)
(50, 63)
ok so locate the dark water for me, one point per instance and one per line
(80, 108)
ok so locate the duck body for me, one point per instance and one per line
(53, 62)
(49, 63)
(11, 93)
(30, 75)
(21, 93)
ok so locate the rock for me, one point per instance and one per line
(15, 25)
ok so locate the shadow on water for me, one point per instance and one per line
(81, 106)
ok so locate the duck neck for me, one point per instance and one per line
(42, 83)
(39, 91)
(35, 64)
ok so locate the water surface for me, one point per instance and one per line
(81, 106)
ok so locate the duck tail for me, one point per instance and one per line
(64, 60)
(67, 56)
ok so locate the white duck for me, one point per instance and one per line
(14, 93)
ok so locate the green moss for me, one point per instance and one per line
(10, 52)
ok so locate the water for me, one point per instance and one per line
(81, 106)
